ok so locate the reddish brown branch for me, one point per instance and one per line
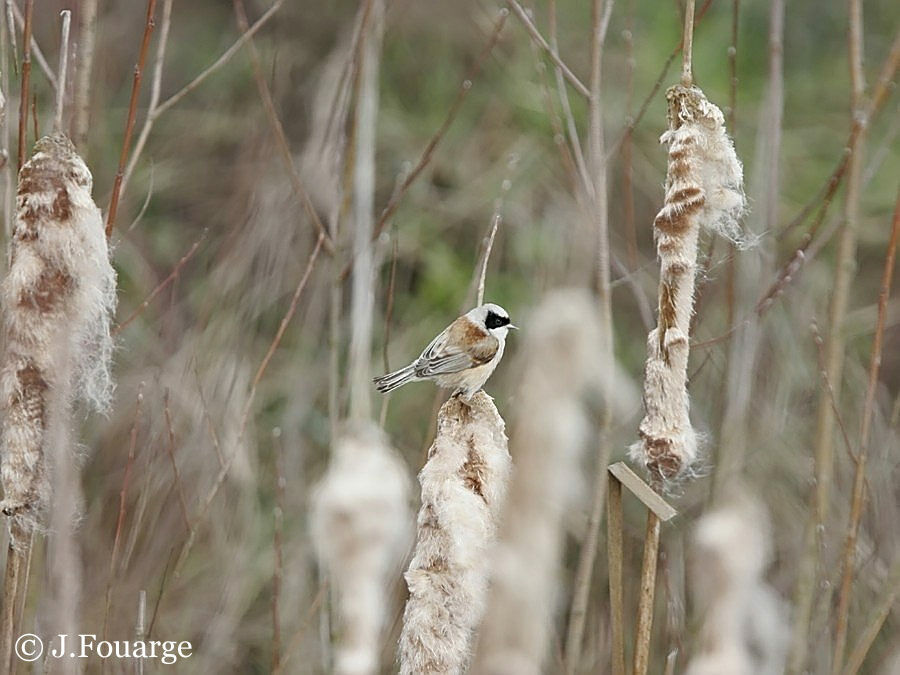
(132, 113)
(173, 275)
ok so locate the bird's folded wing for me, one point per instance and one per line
(440, 358)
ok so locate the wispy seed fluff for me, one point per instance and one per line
(58, 299)
(463, 490)
(361, 528)
(548, 441)
(743, 621)
(703, 189)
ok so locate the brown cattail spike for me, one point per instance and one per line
(703, 189)
(57, 300)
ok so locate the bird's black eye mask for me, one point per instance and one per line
(496, 321)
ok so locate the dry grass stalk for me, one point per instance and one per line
(703, 189)
(360, 528)
(87, 38)
(58, 298)
(744, 628)
(463, 490)
(549, 438)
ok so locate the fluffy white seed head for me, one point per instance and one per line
(463, 491)
(548, 440)
(58, 300)
(360, 524)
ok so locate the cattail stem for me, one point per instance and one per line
(26, 80)
(62, 72)
(615, 554)
(687, 45)
(87, 37)
(643, 628)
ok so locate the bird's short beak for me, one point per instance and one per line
(512, 327)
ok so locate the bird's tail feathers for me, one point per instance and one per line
(398, 378)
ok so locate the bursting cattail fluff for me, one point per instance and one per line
(548, 440)
(704, 188)
(58, 298)
(744, 627)
(463, 489)
(360, 523)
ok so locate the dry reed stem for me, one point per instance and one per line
(845, 267)
(26, 78)
(703, 188)
(362, 302)
(644, 625)
(743, 627)
(549, 438)
(441, 131)
(87, 38)
(463, 489)
(62, 72)
(132, 113)
(360, 528)
(155, 90)
(601, 11)
(859, 486)
(615, 555)
(495, 223)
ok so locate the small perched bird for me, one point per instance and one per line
(462, 357)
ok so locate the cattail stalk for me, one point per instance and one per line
(703, 189)
(463, 489)
(549, 439)
(58, 298)
(87, 34)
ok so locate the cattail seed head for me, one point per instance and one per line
(463, 491)
(58, 298)
(360, 524)
(703, 190)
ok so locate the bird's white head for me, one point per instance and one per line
(494, 318)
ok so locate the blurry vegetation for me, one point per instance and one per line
(212, 164)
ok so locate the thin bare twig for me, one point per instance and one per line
(278, 129)
(155, 89)
(170, 449)
(35, 47)
(123, 495)
(495, 223)
(173, 275)
(438, 135)
(132, 113)
(63, 68)
(26, 80)
(245, 414)
(551, 50)
(858, 496)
